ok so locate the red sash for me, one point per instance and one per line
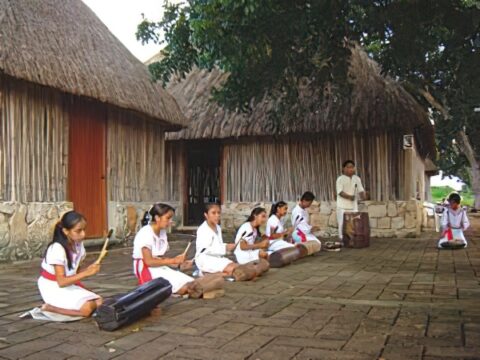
(144, 275)
(448, 233)
(44, 273)
(302, 235)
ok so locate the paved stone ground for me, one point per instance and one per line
(398, 299)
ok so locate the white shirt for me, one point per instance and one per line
(350, 186)
(456, 218)
(300, 219)
(56, 256)
(274, 226)
(210, 242)
(247, 233)
(146, 237)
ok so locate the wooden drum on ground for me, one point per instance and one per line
(356, 230)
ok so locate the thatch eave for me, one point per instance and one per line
(63, 45)
(376, 103)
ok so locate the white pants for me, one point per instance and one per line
(279, 244)
(211, 264)
(457, 235)
(340, 213)
(246, 256)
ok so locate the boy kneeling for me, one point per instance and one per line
(454, 223)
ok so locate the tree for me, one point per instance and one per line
(268, 46)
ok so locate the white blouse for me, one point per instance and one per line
(210, 242)
(146, 237)
(56, 256)
(300, 219)
(274, 226)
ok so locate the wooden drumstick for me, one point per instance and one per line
(104, 251)
(188, 247)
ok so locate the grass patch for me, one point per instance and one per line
(441, 192)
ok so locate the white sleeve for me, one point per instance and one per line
(466, 222)
(207, 244)
(360, 185)
(144, 240)
(271, 225)
(444, 219)
(339, 185)
(56, 255)
(242, 232)
(295, 214)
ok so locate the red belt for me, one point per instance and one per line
(144, 275)
(44, 273)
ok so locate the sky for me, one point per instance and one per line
(122, 18)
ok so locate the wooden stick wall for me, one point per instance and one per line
(33, 143)
(284, 169)
(136, 158)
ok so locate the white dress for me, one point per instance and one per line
(71, 297)
(300, 221)
(350, 186)
(458, 221)
(158, 245)
(249, 234)
(276, 226)
(211, 251)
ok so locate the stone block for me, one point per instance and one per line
(410, 220)
(377, 210)
(332, 220)
(238, 221)
(412, 205)
(398, 222)
(373, 223)
(319, 220)
(325, 208)
(18, 225)
(384, 223)
(401, 208)
(8, 207)
(392, 209)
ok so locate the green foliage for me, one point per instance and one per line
(268, 46)
(441, 192)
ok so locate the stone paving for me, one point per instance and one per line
(397, 299)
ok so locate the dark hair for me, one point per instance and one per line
(276, 206)
(454, 197)
(307, 196)
(346, 162)
(255, 212)
(157, 209)
(208, 206)
(68, 221)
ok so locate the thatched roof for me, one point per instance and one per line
(377, 102)
(62, 44)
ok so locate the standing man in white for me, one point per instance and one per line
(349, 190)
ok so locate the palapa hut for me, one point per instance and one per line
(81, 124)
(246, 159)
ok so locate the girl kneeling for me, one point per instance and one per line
(59, 281)
(247, 249)
(275, 229)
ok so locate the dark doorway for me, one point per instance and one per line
(203, 179)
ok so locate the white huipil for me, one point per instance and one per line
(211, 250)
(300, 221)
(458, 221)
(350, 186)
(249, 234)
(71, 297)
(158, 245)
(276, 226)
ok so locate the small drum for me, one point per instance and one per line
(312, 247)
(285, 256)
(356, 230)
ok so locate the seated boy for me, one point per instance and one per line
(300, 220)
(454, 222)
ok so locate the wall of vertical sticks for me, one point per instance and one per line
(136, 157)
(284, 169)
(33, 143)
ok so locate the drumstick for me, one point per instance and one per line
(188, 247)
(104, 251)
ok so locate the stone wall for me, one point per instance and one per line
(26, 228)
(387, 219)
(125, 217)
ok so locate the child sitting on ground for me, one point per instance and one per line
(454, 223)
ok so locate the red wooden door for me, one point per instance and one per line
(87, 165)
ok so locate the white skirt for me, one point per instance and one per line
(246, 256)
(71, 297)
(176, 278)
(211, 264)
(457, 234)
(276, 245)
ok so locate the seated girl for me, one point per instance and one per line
(59, 281)
(275, 229)
(454, 223)
(247, 249)
(211, 250)
(150, 246)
